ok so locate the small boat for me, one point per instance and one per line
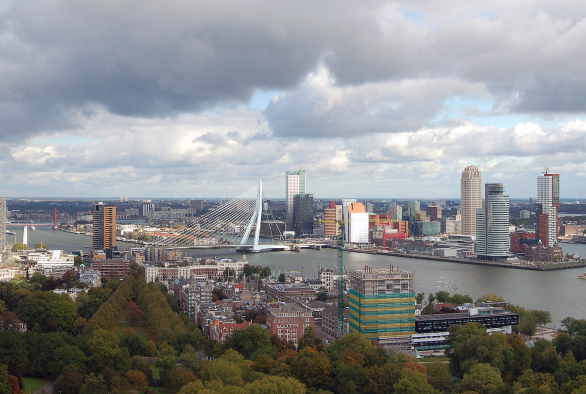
(86, 247)
(582, 276)
(33, 228)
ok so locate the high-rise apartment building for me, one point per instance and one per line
(147, 208)
(3, 209)
(396, 211)
(332, 218)
(104, 227)
(294, 184)
(357, 218)
(492, 224)
(471, 189)
(382, 305)
(346, 202)
(195, 206)
(412, 207)
(434, 212)
(303, 215)
(548, 202)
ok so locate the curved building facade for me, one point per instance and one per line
(492, 224)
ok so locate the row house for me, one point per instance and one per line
(169, 273)
(191, 295)
(220, 331)
(289, 321)
(280, 291)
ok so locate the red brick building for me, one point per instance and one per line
(289, 321)
(220, 331)
(519, 240)
(111, 269)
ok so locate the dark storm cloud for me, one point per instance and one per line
(157, 59)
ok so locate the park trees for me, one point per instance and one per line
(69, 382)
(413, 382)
(276, 384)
(253, 339)
(17, 246)
(471, 345)
(105, 352)
(482, 378)
(312, 368)
(490, 297)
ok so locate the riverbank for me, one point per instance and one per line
(544, 267)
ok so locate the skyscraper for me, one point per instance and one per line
(346, 202)
(434, 212)
(358, 223)
(548, 202)
(412, 207)
(396, 211)
(294, 184)
(332, 216)
(104, 227)
(148, 207)
(492, 224)
(471, 189)
(303, 215)
(382, 305)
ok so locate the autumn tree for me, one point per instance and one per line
(94, 384)
(482, 378)
(150, 349)
(133, 342)
(276, 384)
(413, 382)
(136, 379)
(312, 368)
(69, 382)
(134, 315)
(471, 344)
(179, 377)
(222, 370)
(490, 297)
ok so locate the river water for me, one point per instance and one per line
(559, 292)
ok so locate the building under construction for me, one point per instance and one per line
(382, 306)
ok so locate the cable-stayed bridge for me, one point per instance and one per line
(228, 225)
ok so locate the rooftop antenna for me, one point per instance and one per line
(546, 170)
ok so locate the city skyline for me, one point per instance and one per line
(385, 99)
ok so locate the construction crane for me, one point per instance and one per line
(341, 281)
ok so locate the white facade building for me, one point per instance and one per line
(51, 259)
(358, 228)
(147, 208)
(294, 184)
(471, 194)
(346, 202)
(235, 265)
(492, 224)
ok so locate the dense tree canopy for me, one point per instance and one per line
(111, 338)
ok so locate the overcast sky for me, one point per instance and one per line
(119, 98)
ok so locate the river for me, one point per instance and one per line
(559, 292)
